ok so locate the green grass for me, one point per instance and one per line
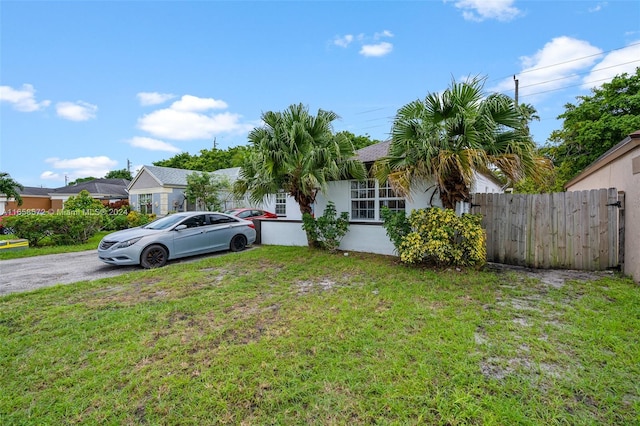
(50, 249)
(286, 335)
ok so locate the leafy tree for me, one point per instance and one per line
(448, 136)
(595, 124)
(208, 191)
(119, 174)
(83, 201)
(299, 153)
(358, 142)
(10, 187)
(80, 180)
(182, 160)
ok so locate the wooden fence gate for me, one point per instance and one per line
(570, 230)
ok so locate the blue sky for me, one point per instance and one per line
(87, 85)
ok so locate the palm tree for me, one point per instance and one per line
(297, 153)
(10, 187)
(449, 136)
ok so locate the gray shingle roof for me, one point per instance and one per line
(169, 175)
(371, 153)
(35, 191)
(112, 188)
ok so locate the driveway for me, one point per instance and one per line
(31, 273)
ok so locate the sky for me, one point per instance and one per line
(92, 86)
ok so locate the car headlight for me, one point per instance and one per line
(128, 243)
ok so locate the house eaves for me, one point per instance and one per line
(627, 144)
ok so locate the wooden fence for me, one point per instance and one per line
(571, 230)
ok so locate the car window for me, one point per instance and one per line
(216, 219)
(194, 221)
(245, 214)
(165, 222)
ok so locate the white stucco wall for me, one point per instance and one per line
(362, 238)
(619, 174)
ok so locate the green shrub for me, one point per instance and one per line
(439, 237)
(135, 218)
(83, 201)
(329, 229)
(31, 227)
(64, 228)
(397, 226)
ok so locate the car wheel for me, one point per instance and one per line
(238, 243)
(154, 256)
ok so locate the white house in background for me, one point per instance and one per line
(619, 168)
(160, 190)
(363, 200)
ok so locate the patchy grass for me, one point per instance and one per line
(285, 335)
(50, 249)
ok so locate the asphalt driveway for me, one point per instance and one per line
(30, 273)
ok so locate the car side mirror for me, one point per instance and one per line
(180, 227)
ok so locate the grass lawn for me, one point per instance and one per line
(286, 335)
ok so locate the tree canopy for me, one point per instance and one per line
(208, 160)
(119, 174)
(298, 153)
(10, 187)
(207, 190)
(594, 124)
(448, 136)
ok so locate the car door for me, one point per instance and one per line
(221, 230)
(193, 239)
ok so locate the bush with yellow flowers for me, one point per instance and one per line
(440, 237)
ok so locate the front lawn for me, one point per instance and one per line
(286, 335)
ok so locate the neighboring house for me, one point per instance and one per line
(105, 190)
(619, 168)
(363, 200)
(52, 199)
(33, 198)
(160, 190)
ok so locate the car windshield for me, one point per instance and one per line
(232, 211)
(165, 222)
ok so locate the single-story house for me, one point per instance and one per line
(161, 190)
(363, 200)
(619, 168)
(52, 199)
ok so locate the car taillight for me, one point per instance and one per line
(252, 225)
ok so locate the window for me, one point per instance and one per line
(368, 197)
(281, 203)
(146, 206)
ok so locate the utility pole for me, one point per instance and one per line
(214, 143)
(515, 80)
(128, 166)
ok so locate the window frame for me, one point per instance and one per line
(368, 197)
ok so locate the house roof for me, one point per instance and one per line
(374, 152)
(617, 151)
(169, 176)
(35, 191)
(111, 188)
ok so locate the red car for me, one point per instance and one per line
(249, 214)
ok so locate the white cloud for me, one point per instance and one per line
(22, 99)
(385, 33)
(379, 49)
(80, 167)
(49, 175)
(551, 68)
(76, 111)
(597, 8)
(187, 119)
(343, 41)
(152, 144)
(369, 45)
(614, 63)
(193, 103)
(480, 10)
(153, 98)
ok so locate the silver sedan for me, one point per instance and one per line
(175, 236)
